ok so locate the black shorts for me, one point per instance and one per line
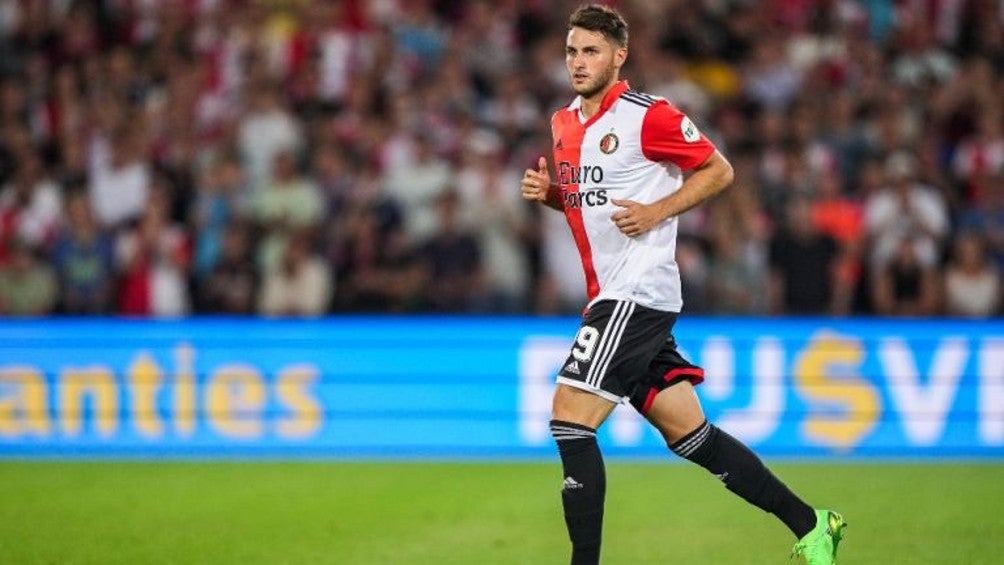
(625, 351)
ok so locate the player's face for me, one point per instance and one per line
(592, 61)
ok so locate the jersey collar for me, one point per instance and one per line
(608, 100)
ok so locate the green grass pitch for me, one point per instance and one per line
(491, 513)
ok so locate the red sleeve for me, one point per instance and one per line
(667, 134)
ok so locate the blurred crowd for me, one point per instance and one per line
(299, 158)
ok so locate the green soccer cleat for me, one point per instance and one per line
(819, 547)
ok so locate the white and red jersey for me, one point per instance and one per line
(635, 147)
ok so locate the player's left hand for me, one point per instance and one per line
(635, 219)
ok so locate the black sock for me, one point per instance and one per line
(744, 474)
(583, 490)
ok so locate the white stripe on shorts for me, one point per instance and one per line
(618, 323)
(617, 342)
(602, 345)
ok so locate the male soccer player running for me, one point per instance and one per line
(619, 156)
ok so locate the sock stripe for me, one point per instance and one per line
(573, 432)
(566, 431)
(695, 442)
(689, 445)
(571, 426)
(685, 439)
(562, 435)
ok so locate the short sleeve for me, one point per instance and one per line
(667, 134)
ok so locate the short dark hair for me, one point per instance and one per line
(606, 20)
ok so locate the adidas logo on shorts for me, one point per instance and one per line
(573, 368)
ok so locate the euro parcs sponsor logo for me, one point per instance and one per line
(828, 392)
(154, 401)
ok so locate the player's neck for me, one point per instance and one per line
(590, 106)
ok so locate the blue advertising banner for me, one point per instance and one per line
(480, 387)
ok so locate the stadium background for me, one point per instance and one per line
(183, 183)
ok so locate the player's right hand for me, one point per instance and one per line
(536, 184)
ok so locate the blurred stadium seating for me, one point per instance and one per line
(301, 158)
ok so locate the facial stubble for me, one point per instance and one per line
(601, 82)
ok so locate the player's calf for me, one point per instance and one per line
(744, 473)
(583, 489)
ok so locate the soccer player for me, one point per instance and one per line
(619, 157)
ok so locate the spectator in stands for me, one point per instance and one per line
(419, 36)
(416, 186)
(987, 217)
(379, 268)
(84, 259)
(803, 263)
(231, 285)
(453, 261)
(290, 202)
(905, 285)
(735, 284)
(972, 283)
(921, 61)
(265, 131)
(769, 77)
(905, 211)
(72, 170)
(153, 260)
(512, 112)
(300, 285)
(334, 178)
(807, 96)
(498, 217)
(980, 156)
(737, 258)
(27, 285)
(775, 160)
(841, 218)
(835, 214)
(30, 205)
(14, 141)
(221, 199)
(120, 177)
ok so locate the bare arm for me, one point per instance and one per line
(537, 186)
(707, 180)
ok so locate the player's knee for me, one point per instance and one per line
(574, 405)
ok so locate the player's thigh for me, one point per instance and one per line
(579, 406)
(676, 411)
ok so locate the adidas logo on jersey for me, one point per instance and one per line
(571, 484)
(573, 368)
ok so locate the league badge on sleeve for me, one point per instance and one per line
(609, 143)
(690, 133)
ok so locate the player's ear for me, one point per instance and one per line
(620, 56)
